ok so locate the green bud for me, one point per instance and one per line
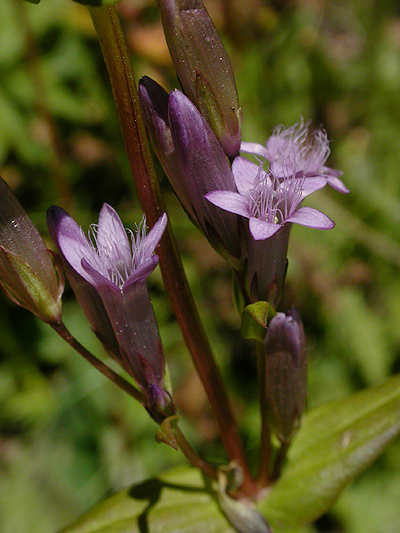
(203, 68)
(165, 433)
(30, 275)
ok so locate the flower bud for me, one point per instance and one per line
(203, 68)
(154, 104)
(30, 275)
(286, 373)
(195, 164)
(205, 168)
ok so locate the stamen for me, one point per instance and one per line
(108, 259)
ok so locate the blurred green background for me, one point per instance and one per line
(67, 437)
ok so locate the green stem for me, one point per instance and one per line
(266, 446)
(192, 456)
(137, 146)
(61, 330)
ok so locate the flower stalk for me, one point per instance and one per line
(122, 80)
(65, 334)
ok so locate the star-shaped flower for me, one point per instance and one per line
(270, 200)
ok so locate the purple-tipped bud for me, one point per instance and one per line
(286, 373)
(204, 167)
(154, 104)
(30, 275)
(203, 68)
(108, 272)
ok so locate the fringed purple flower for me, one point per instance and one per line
(299, 151)
(272, 204)
(108, 270)
(268, 200)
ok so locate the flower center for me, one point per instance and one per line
(275, 199)
(114, 260)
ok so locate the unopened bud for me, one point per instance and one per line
(30, 275)
(203, 68)
(286, 373)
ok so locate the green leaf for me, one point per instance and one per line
(335, 444)
(177, 501)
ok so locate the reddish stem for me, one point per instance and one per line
(137, 146)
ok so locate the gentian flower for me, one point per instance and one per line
(195, 164)
(269, 201)
(298, 151)
(271, 204)
(115, 263)
(30, 275)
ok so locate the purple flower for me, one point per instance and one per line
(298, 151)
(108, 271)
(268, 200)
(29, 273)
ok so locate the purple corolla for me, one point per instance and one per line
(272, 204)
(299, 151)
(108, 272)
(269, 201)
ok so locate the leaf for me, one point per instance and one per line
(335, 444)
(177, 501)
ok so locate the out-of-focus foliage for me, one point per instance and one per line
(67, 437)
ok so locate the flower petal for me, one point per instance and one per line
(96, 279)
(311, 218)
(111, 239)
(245, 173)
(69, 238)
(151, 240)
(254, 148)
(311, 185)
(262, 229)
(230, 201)
(337, 184)
(141, 273)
